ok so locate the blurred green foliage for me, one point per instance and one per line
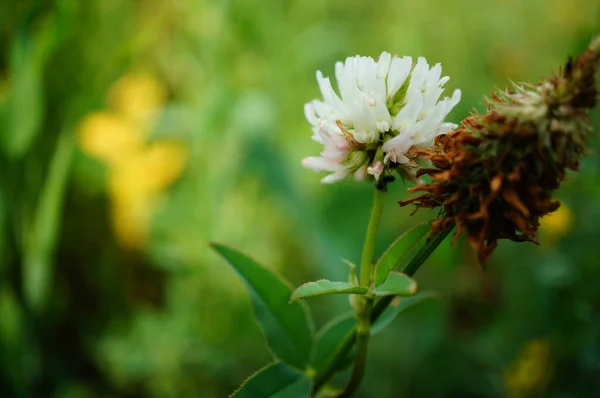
(107, 285)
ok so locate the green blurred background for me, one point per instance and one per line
(135, 132)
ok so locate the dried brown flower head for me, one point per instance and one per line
(494, 176)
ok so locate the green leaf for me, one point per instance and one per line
(400, 306)
(323, 287)
(287, 327)
(396, 284)
(330, 338)
(399, 250)
(275, 381)
(300, 389)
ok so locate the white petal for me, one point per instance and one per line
(320, 164)
(456, 96)
(330, 97)
(397, 147)
(331, 178)
(411, 111)
(399, 71)
(418, 74)
(309, 113)
(383, 64)
(443, 81)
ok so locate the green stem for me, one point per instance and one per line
(365, 305)
(366, 263)
(360, 360)
(349, 340)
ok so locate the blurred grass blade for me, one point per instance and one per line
(403, 304)
(22, 111)
(43, 234)
(396, 284)
(324, 287)
(274, 381)
(329, 338)
(399, 250)
(287, 327)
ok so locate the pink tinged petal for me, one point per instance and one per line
(396, 147)
(335, 145)
(337, 151)
(376, 169)
(361, 173)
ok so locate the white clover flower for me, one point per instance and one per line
(384, 108)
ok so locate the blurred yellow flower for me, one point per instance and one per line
(148, 171)
(108, 137)
(138, 170)
(137, 97)
(556, 225)
(530, 372)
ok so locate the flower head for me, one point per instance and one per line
(495, 175)
(385, 107)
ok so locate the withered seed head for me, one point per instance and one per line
(494, 176)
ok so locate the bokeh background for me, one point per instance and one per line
(132, 133)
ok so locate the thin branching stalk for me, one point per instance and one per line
(347, 344)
